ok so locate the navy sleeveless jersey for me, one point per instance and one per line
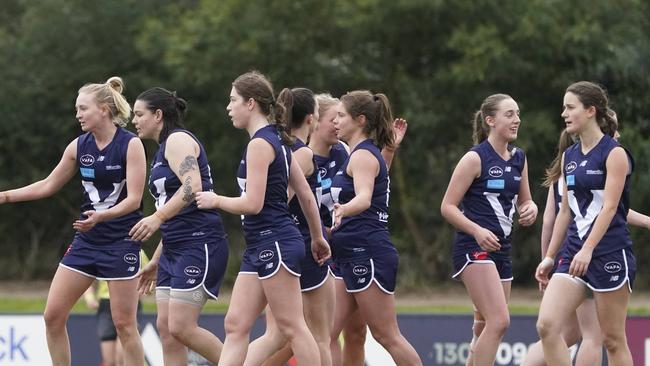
(273, 222)
(314, 184)
(353, 234)
(327, 168)
(191, 225)
(491, 199)
(585, 176)
(103, 179)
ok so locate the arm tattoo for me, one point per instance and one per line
(188, 195)
(189, 163)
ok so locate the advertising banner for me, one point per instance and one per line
(438, 339)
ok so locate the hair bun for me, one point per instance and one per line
(116, 83)
(181, 104)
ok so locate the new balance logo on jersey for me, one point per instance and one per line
(100, 158)
(583, 163)
(332, 164)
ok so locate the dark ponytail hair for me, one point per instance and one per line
(593, 95)
(172, 107)
(254, 85)
(299, 103)
(489, 108)
(376, 108)
(554, 170)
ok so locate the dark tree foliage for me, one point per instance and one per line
(436, 60)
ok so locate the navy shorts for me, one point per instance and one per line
(503, 264)
(312, 275)
(265, 260)
(607, 272)
(105, 327)
(188, 267)
(334, 270)
(358, 275)
(118, 263)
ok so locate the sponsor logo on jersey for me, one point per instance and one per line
(87, 172)
(612, 267)
(113, 167)
(266, 255)
(322, 172)
(87, 160)
(131, 258)
(570, 180)
(570, 167)
(192, 271)
(517, 179)
(496, 183)
(383, 216)
(594, 172)
(360, 270)
(495, 171)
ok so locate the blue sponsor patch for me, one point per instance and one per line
(496, 183)
(570, 180)
(326, 183)
(87, 172)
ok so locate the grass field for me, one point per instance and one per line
(24, 305)
(30, 298)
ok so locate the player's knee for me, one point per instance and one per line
(125, 326)
(180, 332)
(499, 324)
(356, 335)
(235, 324)
(613, 341)
(547, 328)
(54, 319)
